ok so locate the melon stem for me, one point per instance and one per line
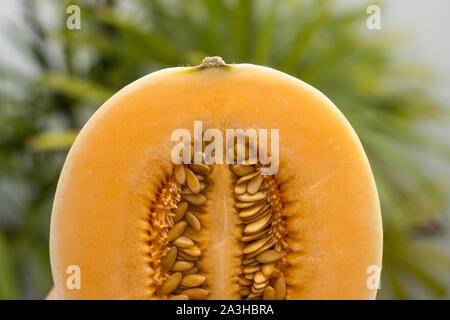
(212, 62)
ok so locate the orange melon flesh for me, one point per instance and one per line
(111, 175)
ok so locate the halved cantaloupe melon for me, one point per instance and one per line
(129, 223)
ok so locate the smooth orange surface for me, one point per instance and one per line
(99, 219)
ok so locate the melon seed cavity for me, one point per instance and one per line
(174, 221)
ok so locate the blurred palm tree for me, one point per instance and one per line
(77, 70)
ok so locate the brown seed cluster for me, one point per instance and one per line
(160, 223)
(260, 277)
(184, 280)
(263, 239)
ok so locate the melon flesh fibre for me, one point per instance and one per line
(113, 170)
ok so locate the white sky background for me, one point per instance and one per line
(427, 22)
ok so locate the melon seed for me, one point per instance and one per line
(267, 246)
(258, 216)
(193, 280)
(176, 230)
(191, 271)
(192, 181)
(279, 285)
(180, 211)
(269, 256)
(196, 199)
(200, 168)
(248, 261)
(195, 293)
(256, 236)
(243, 205)
(169, 259)
(269, 293)
(247, 177)
(252, 247)
(245, 282)
(193, 221)
(187, 257)
(180, 174)
(171, 283)
(181, 266)
(244, 291)
(250, 269)
(257, 225)
(260, 277)
(261, 285)
(268, 269)
(249, 212)
(240, 188)
(193, 251)
(242, 170)
(254, 184)
(183, 242)
(246, 197)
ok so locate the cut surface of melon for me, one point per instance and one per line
(120, 164)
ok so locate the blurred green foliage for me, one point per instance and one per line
(120, 41)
